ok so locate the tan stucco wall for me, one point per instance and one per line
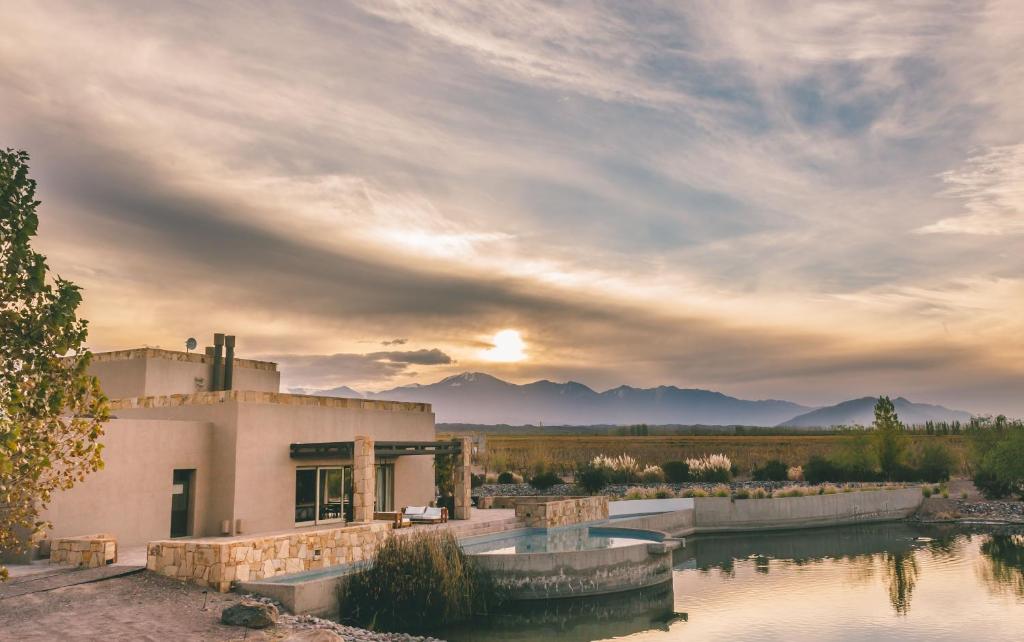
(253, 476)
(265, 476)
(130, 497)
(148, 372)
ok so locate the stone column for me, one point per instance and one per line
(363, 482)
(463, 485)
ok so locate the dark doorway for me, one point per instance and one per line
(181, 503)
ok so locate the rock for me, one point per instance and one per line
(314, 635)
(250, 614)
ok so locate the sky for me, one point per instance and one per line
(802, 201)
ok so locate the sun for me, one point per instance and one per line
(508, 347)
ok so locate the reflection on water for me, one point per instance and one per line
(873, 582)
(1003, 566)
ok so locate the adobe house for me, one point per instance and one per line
(206, 445)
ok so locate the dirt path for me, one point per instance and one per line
(138, 607)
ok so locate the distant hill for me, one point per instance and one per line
(862, 412)
(478, 398)
(340, 391)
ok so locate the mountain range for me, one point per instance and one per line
(478, 398)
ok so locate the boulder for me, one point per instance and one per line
(250, 614)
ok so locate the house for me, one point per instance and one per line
(205, 444)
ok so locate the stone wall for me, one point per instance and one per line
(89, 551)
(549, 512)
(363, 479)
(463, 484)
(219, 562)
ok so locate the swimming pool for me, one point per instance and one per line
(558, 540)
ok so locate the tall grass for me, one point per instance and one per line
(417, 583)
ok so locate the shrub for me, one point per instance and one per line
(741, 493)
(417, 583)
(818, 470)
(773, 470)
(990, 485)
(636, 492)
(676, 471)
(926, 491)
(506, 478)
(710, 468)
(652, 474)
(591, 479)
(619, 469)
(721, 491)
(935, 462)
(545, 480)
(663, 492)
(476, 481)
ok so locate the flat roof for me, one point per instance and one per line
(255, 396)
(175, 355)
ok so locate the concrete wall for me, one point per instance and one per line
(722, 514)
(130, 497)
(147, 372)
(537, 576)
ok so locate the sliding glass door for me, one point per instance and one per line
(323, 494)
(384, 496)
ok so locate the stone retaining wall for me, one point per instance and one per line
(549, 512)
(218, 562)
(89, 551)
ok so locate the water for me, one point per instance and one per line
(863, 583)
(555, 540)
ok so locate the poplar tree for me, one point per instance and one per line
(51, 411)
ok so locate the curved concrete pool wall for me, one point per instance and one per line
(538, 576)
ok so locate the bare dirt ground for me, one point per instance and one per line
(139, 607)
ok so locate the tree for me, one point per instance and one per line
(51, 411)
(889, 441)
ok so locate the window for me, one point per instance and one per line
(384, 497)
(323, 494)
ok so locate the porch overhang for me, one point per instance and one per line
(346, 449)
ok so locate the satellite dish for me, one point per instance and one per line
(190, 344)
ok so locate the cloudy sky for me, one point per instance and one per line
(809, 202)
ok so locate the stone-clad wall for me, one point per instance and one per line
(89, 551)
(218, 562)
(547, 512)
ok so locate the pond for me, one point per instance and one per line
(872, 582)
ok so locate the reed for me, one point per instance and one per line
(417, 583)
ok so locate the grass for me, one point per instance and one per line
(417, 583)
(563, 453)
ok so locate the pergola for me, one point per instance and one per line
(364, 451)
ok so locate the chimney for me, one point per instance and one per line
(218, 345)
(229, 361)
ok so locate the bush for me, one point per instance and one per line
(990, 485)
(592, 479)
(545, 480)
(676, 472)
(773, 470)
(926, 491)
(417, 583)
(741, 493)
(476, 481)
(818, 470)
(710, 468)
(506, 478)
(935, 462)
(663, 492)
(652, 475)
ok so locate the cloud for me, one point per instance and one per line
(423, 357)
(991, 186)
(702, 194)
(394, 342)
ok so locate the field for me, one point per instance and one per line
(520, 453)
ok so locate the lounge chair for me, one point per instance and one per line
(395, 517)
(425, 514)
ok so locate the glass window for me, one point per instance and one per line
(384, 497)
(331, 495)
(305, 495)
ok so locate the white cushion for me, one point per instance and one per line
(415, 510)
